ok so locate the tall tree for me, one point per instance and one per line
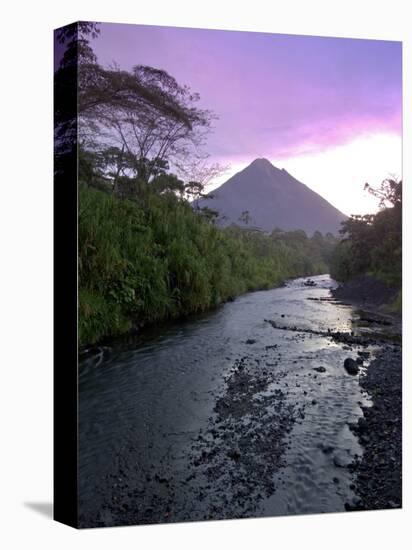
(162, 125)
(134, 124)
(72, 44)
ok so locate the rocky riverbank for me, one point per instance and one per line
(365, 292)
(379, 471)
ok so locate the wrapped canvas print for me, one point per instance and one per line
(228, 274)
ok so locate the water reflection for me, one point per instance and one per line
(144, 403)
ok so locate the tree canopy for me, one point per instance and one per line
(372, 244)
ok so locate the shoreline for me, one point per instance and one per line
(140, 329)
(378, 472)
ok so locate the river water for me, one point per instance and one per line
(223, 415)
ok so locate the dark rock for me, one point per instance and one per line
(351, 366)
(362, 425)
(328, 449)
(250, 341)
(234, 454)
(320, 369)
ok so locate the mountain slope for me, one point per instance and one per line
(273, 199)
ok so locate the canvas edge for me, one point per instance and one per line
(65, 307)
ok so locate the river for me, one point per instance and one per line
(223, 415)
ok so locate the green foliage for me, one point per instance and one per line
(155, 258)
(372, 244)
(99, 317)
(396, 305)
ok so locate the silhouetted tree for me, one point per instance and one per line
(373, 243)
(245, 217)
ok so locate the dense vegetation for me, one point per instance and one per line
(144, 261)
(372, 244)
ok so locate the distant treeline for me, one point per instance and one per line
(154, 258)
(372, 244)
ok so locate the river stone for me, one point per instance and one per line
(351, 366)
(320, 369)
(234, 454)
(362, 425)
(327, 449)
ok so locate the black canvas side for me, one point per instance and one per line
(65, 276)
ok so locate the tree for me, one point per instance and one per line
(389, 192)
(74, 39)
(372, 244)
(168, 183)
(195, 190)
(147, 113)
(198, 169)
(245, 217)
(209, 215)
(137, 124)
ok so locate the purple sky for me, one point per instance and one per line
(276, 96)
